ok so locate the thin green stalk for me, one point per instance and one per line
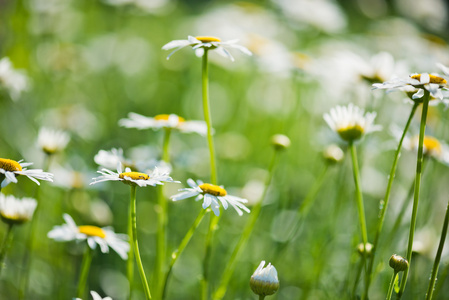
(207, 117)
(419, 162)
(6, 244)
(357, 278)
(436, 263)
(358, 193)
(390, 288)
(441, 280)
(386, 200)
(230, 266)
(130, 261)
(177, 253)
(84, 273)
(135, 246)
(311, 196)
(161, 242)
(213, 173)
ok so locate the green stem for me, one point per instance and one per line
(390, 288)
(311, 196)
(357, 278)
(261, 297)
(130, 261)
(161, 242)
(177, 253)
(213, 172)
(384, 203)
(358, 193)
(6, 244)
(84, 273)
(230, 266)
(135, 246)
(207, 117)
(436, 263)
(419, 162)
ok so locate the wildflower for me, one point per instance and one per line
(52, 141)
(164, 121)
(368, 248)
(10, 168)
(350, 122)
(105, 237)
(264, 281)
(200, 43)
(433, 83)
(211, 195)
(280, 141)
(16, 211)
(157, 177)
(333, 154)
(13, 81)
(398, 263)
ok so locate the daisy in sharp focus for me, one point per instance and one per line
(171, 121)
(104, 237)
(212, 195)
(200, 43)
(9, 169)
(433, 83)
(16, 211)
(351, 122)
(157, 177)
(51, 140)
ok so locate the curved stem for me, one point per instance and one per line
(175, 255)
(84, 273)
(386, 200)
(6, 244)
(130, 261)
(230, 266)
(419, 162)
(436, 263)
(161, 242)
(390, 288)
(135, 246)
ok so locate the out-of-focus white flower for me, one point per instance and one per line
(380, 67)
(333, 154)
(431, 14)
(264, 281)
(16, 211)
(200, 43)
(13, 81)
(104, 237)
(146, 6)
(9, 169)
(96, 296)
(325, 15)
(52, 140)
(156, 177)
(164, 121)
(211, 195)
(351, 122)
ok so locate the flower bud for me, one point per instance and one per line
(368, 248)
(280, 141)
(264, 281)
(398, 263)
(333, 154)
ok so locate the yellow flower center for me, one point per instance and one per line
(134, 175)
(212, 189)
(351, 133)
(10, 165)
(207, 39)
(165, 117)
(433, 78)
(92, 231)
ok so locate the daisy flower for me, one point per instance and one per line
(264, 281)
(16, 211)
(9, 169)
(157, 177)
(200, 43)
(433, 83)
(51, 140)
(171, 121)
(96, 296)
(351, 122)
(13, 81)
(212, 195)
(103, 237)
